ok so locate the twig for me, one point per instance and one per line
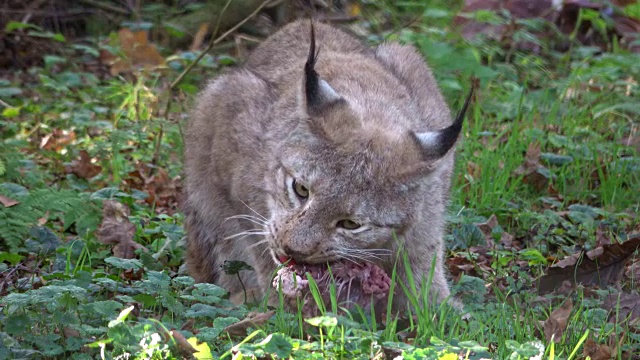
(215, 41)
(105, 6)
(177, 81)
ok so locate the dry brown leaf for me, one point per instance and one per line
(68, 332)
(253, 319)
(137, 50)
(602, 266)
(531, 170)
(556, 324)
(57, 139)
(8, 202)
(633, 272)
(183, 344)
(163, 191)
(459, 265)
(633, 139)
(487, 229)
(623, 307)
(83, 167)
(116, 230)
(519, 9)
(131, 274)
(199, 37)
(602, 238)
(43, 220)
(596, 351)
(161, 188)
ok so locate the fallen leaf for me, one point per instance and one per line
(117, 230)
(43, 220)
(8, 202)
(459, 265)
(199, 37)
(519, 9)
(132, 274)
(68, 332)
(137, 50)
(633, 139)
(623, 307)
(183, 345)
(601, 266)
(487, 229)
(253, 319)
(532, 171)
(556, 324)
(83, 167)
(602, 238)
(163, 191)
(596, 351)
(566, 15)
(633, 272)
(57, 139)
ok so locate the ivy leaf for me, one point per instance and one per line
(17, 324)
(184, 281)
(43, 240)
(208, 293)
(124, 264)
(219, 324)
(52, 293)
(11, 258)
(233, 267)
(279, 345)
(146, 300)
(48, 344)
(16, 300)
(105, 308)
(324, 321)
(202, 310)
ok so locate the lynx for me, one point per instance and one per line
(345, 153)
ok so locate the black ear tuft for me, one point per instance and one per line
(312, 81)
(447, 137)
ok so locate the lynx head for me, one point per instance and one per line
(351, 176)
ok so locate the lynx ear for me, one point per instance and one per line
(318, 93)
(435, 144)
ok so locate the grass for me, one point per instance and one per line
(63, 294)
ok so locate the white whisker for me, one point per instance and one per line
(351, 256)
(255, 212)
(346, 257)
(253, 219)
(366, 254)
(258, 243)
(264, 251)
(247, 233)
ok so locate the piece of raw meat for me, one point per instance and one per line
(355, 283)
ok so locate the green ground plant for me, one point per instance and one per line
(570, 111)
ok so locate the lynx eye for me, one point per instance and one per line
(300, 190)
(348, 224)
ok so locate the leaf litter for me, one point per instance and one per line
(602, 266)
(117, 230)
